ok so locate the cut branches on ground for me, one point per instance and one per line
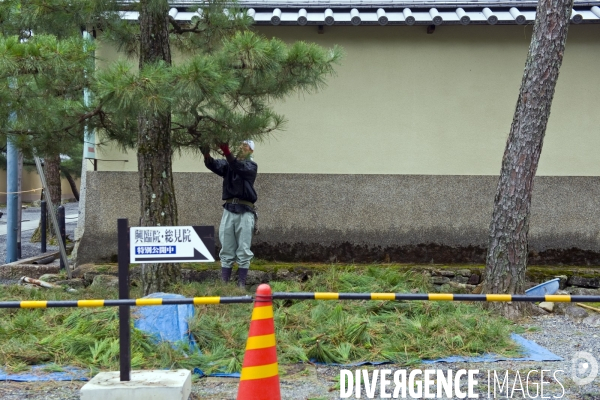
(321, 331)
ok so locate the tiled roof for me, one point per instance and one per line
(388, 12)
(372, 3)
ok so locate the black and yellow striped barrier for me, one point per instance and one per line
(127, 302)
(301, 296)
(433, 297)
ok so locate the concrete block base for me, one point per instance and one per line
(144, 385)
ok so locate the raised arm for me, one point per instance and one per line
(219, 167)
(246, 169)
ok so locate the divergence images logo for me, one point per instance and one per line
(585, 368)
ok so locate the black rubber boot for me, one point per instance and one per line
(225, 274)
(242, 274)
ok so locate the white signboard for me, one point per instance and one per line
(159, 244)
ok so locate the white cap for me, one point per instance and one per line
(250, 144)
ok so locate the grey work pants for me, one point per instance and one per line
(235, 234)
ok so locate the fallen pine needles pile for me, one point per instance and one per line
(354, 331)
(82, 337)
(323, 331)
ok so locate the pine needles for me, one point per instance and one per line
(345, 332)
(323, 331)
(86, 338)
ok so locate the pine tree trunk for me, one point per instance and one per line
(72, 184)
(158, 206)
(507, 247)
(52, 174)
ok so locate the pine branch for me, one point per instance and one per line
(179, 30)
(89, 115)
(66, 129)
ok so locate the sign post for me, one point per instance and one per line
(172, 244)
(155, 244)
(124, 315)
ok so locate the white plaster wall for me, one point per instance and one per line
(405, 102)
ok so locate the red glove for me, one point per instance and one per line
(225, 148)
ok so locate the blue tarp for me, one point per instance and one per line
(170, 323)
(531, 352)
(198, 371)
(42, 373)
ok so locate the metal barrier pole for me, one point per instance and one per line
(43, 220)
(565, 298)
(214, 300)
(124, 315)
(196, 301)
(63, 231)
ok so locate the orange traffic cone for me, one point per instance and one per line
(260, 375)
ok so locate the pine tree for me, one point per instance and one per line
(507, 251)
(43, 65)
(222, 93)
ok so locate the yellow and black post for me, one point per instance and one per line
(124, 315)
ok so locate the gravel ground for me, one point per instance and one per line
(304, 381)
(29, 249)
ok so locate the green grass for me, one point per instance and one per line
(327, 331)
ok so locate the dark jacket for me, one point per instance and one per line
(238, 178)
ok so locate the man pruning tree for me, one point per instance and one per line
(239, 215)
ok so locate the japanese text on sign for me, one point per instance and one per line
(155, 250)
(175, 235)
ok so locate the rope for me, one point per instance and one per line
(23, 191)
